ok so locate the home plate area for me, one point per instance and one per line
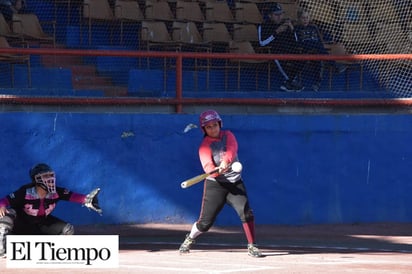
(153, 248)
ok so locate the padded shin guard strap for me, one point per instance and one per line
(3, 234)
(68, 229)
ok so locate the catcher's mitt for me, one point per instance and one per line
(91, 201)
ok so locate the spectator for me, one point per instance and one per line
(310, 41)
(278, 33)
(10, 7)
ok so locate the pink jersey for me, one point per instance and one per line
(213, 151)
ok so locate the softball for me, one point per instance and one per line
(237, 167)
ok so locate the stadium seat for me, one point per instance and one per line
(218, 11)
(218, 35)
(189, 11)
(29, 28)
(357, 37)
(158, 10)
(245, 47)
(325, 15)
(291, 10)
(155, 36)
(188, 35)
(219, 38)
(247, 13)
(98, 11)
(127, 11)
(14, 59)
(352, 11)
(246, 32)
(384, 45)
(6, 31)
(339, 49)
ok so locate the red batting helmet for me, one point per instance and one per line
(209, 116)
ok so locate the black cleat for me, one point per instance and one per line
(185, 246)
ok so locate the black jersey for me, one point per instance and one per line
(28, 204)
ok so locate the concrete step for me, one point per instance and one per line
(84, 77)
(90, 81)
(83, 70)
(115, 91)
(60, 61)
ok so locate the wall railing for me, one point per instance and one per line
(179, 100)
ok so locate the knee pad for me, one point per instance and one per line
(248, 216)
(68, 229)
(11, 213)
(203, 227)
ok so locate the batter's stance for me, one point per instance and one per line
(218, 150)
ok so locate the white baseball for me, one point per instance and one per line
(237, 167)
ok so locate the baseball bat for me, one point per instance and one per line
(197, 179)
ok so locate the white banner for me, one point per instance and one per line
(62, 251)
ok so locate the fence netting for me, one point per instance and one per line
(360, 27)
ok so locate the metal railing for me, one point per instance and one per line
(179, 100)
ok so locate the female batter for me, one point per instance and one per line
(218, 150)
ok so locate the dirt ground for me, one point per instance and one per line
(358, 248)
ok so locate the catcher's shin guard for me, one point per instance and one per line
(6, 225)
(3, 234)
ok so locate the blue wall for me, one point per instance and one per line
(299, 169)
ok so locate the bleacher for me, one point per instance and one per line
(181, 26)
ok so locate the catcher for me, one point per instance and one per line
(27, 211)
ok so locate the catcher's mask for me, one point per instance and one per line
(43, 176)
